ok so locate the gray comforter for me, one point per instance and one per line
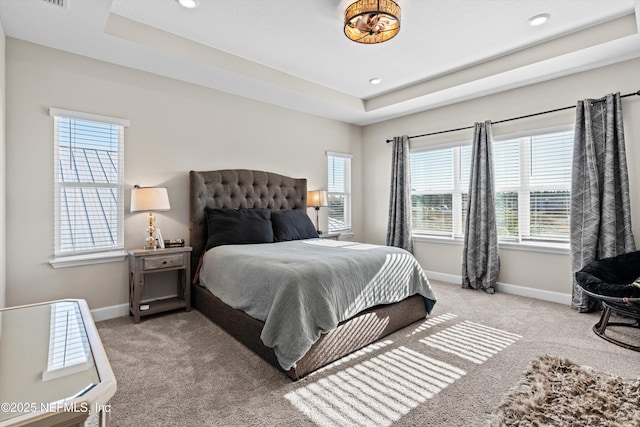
(302, 289)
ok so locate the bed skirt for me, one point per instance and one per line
(351, 335)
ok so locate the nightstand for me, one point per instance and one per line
(149, 261)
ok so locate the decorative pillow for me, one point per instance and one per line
(238, 226)
(292, 225)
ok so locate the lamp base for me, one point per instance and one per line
(318, 221)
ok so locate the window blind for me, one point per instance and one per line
(506, 164)
(532, 183)
(550, 185)
(464, 177)
(432, 191)
(339, 191)
(89, 183)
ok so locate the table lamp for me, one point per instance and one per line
(149, 199)
(316, 199)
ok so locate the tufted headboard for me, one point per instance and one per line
(236, 188)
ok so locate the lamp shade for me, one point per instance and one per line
(317, 198)
(149, 199)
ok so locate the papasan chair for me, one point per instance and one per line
(615, 282)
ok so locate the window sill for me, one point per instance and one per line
(436, 239)
(552, 248)
(87, 259)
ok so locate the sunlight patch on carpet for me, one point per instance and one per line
(356, 354)
(431, 322)
(471, 341)
(375, 392)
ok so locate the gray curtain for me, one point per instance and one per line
(480, 262)
(600, 210)
(399, 227)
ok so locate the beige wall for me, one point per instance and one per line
(175, 127)
(3, 240)
(550, 272)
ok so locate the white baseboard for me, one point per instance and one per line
(106, 313)
(507, 288)
(444, 277)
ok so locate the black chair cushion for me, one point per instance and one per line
(611, 277)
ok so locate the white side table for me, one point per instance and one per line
(53, 366)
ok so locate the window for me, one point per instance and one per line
(439, 182)
(339, 185)
(532, 183)
(89, 183)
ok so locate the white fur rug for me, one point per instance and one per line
(558, 392)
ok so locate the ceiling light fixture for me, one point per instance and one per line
(538, 20)
(189, 4)
(372, 21)
(375, 80)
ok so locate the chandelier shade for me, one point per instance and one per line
(372, 21)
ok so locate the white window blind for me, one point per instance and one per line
(506, 166)
(532, 183)
(89, 182)
(439, 183)
(339, 191)
(550, 186)
(464, 174)
(433, 187)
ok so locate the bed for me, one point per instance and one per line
(265, 193)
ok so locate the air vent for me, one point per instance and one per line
(59, 3)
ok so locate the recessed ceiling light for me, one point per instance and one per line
(537, 20)
(375, 80)
(189, 4)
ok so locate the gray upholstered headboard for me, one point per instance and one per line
(236, 188)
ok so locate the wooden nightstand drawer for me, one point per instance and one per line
(156, 262)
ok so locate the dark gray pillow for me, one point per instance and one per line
(292, 225)
(238, 226)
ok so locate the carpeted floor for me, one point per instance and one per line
(453, 369)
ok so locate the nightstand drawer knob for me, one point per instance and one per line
(153, 263)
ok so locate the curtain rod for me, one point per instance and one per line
(511, 119)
